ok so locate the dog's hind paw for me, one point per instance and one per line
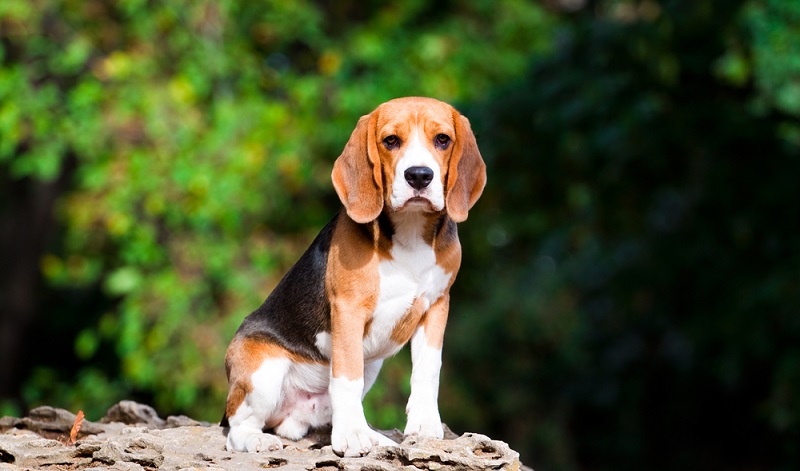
(252, 441)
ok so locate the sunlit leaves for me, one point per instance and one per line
(200, 130)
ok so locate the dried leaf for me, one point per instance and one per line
(76, 427)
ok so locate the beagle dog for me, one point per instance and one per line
(377, 276)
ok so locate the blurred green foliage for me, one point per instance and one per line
(203, 135)
(629, 292)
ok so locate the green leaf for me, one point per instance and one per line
(86, 344)
(123, 281)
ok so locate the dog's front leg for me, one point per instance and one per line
(426, 359)
(351, 436)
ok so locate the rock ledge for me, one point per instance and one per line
(133, 437)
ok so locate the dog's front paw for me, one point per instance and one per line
(424, 424)
(252, 441)
(357, 441)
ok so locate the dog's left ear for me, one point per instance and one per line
(357, 173)
(466, 172)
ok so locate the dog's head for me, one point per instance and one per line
(410, 154)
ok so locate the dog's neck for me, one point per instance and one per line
(413, 227)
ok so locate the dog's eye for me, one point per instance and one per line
(391, 142)
(441, 141)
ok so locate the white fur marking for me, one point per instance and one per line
(308, 377)
(411, 273)
(416, 155)
(351, 436)
(323, 343)
(260, 404)
(423, 408)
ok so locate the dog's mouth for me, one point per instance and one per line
(417, 203)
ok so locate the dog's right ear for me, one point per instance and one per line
(357, 173)
(466, 175)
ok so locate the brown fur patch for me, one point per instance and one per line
(352, 285)
(367, 327)
(435, 321)
(405, 327)
(356, 173)
(448, 249)
(382, 230)
(236, 394)
(466, 173)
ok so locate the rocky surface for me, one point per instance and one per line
(133, 437)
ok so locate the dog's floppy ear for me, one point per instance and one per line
(357, 173)
(466, 172)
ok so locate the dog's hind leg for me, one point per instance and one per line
(254, 400)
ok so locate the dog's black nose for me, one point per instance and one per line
(418, 177)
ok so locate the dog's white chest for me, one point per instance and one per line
(411, 273)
